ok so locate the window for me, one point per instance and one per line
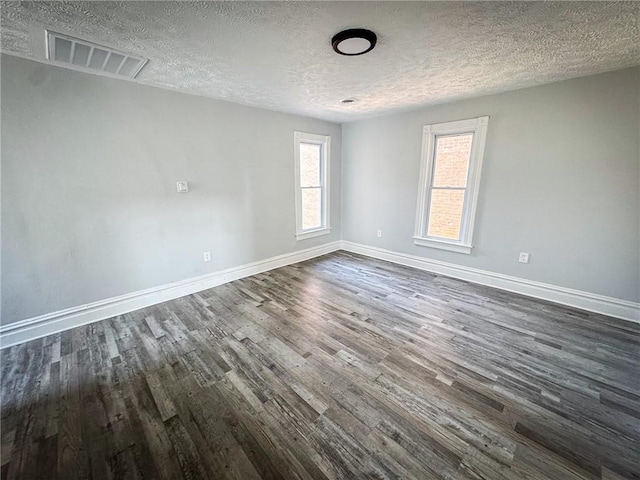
(449, 183)
(312, 184)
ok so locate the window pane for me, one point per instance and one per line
(452, 160)
(311, 208)
(309, 165)
(445, 214)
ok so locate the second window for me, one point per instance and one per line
(312, 184)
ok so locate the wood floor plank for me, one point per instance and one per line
(338, 367)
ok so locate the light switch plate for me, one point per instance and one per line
(182, 187)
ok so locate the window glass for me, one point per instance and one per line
(309, 165)
(452, 160)
(445, 214)
(311, 208)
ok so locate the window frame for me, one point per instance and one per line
(325, 156)
(478, 127)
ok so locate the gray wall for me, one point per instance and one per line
(89, 206)
(560, 180)
(89, 165)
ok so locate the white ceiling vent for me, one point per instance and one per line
(82, 55)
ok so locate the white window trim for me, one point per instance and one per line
(325, 142)
(477, 126)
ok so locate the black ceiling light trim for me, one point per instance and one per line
(354, 33)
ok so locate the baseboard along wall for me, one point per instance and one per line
(50, 323)
(591, 302)
(43, 325)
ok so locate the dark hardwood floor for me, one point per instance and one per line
(341, 367)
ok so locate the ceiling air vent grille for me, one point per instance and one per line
(82, 55)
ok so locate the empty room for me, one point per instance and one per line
(320, 240)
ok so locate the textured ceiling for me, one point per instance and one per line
(277, 55)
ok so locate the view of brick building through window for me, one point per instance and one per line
(311, 185)
(448, 187)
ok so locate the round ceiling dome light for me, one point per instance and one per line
(355, 41)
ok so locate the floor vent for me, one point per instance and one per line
(82, 55)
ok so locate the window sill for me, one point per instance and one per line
(442, 245)
(313, 233)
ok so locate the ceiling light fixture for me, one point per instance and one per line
(348, 100)
(355, 41)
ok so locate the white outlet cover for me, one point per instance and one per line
(207, 256)
(524, 257)
(182, 187)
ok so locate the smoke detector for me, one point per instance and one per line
(77, 54)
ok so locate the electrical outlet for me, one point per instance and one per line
(207, 256)
(379, 233)
(524, 257)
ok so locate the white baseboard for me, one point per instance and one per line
(43, 325)
(50, 323)
(591, 302)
